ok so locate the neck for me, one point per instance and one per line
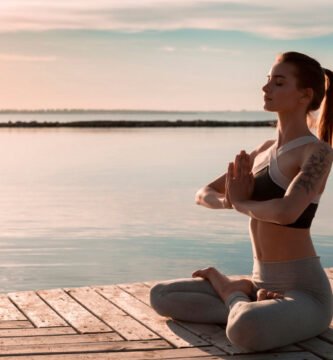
(291, 126)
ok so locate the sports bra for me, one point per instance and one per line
(270, 183)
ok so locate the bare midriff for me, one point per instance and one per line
(271, 242)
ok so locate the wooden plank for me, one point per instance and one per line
(75, 314)
(138, 290)
(169, 330)
(37, 331)
(8, 311)
(213, 334)
(59, 339)
(192, 353)
(117, 319)
(318, 347)
(263, 356)
(84, 347)
(15, 324)
(36, 310)
(152, 283)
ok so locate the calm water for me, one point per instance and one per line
(81, 207)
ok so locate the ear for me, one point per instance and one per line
(306, 95)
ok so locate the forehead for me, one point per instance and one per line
(283, 70)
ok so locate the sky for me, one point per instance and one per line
(152, 54)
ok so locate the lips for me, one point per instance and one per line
(266, 98)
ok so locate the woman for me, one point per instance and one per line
(278, 185)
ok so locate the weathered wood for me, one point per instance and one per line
(284, 356)
(84, 347)
(37, 331)
(101, 317)
(152, 283)
(193, 353)
(36, 310)
(169, 330)
(116, 318)
(318, 347)
(59, 339)
(213, 334)
(139, 290)
(16, 324)
(75, 314)
(8, 311)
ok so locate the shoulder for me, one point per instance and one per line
(265, 145)
(318, 153)
(262, 147)
(316, 166)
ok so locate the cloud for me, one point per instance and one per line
(168, 49)
(279, 19)
(203, 48)
(26, 58)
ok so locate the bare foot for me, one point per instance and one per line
(263, 294)
(222, 284)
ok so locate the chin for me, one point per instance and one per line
(266, 107)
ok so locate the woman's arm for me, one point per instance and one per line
(214, 195)
(309, 182)
(209, 197)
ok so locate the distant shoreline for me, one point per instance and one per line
(112, 111)
(137, 124)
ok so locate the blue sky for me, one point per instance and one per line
(167, 55)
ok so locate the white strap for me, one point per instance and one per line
(295, 143)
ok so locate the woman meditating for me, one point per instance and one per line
(278, 185)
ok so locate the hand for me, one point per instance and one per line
(226, 203)
(263, 294)
(239, 181)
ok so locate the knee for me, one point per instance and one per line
(244, 331)
(157, 298)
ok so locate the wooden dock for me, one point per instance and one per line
(116, 322)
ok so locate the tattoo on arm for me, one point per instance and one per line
(314, 169)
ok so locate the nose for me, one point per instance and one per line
(265, 88)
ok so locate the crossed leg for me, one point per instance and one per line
(193, 300)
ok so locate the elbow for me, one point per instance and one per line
(198, 197)
(286, 214)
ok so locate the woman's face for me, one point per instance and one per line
(280, 92)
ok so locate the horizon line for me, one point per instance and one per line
(68, 110)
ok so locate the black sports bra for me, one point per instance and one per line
(270, 183)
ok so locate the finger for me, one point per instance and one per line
(242, 163)
(278, 296)
(230, 173)
(237, 166)
(227, 199)
(261, 294)
(247, 164)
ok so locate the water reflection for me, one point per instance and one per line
(81, 207)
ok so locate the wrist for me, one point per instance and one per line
(226, 203)
(239, 205)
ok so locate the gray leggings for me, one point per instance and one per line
(305, 311)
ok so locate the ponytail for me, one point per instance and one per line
(325, 121)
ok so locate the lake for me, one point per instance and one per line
(102, 206)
